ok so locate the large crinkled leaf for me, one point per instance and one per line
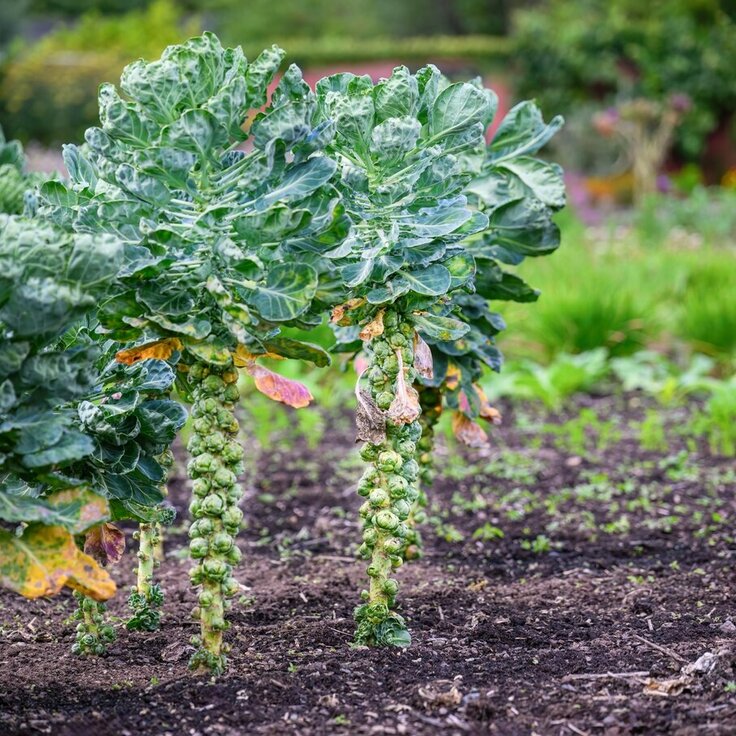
(525, 227)
(434, 280)
(287, 292)
(460, 106)
(43, 559)
(544, 179)
(300, 181)
(297, 349)
(522, 132)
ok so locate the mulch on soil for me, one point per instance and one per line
(615, 571)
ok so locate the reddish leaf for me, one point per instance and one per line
(105, 543)
(278, 388)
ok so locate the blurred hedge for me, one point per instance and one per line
(48, 90)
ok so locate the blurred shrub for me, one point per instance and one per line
(75, 8)
(571, 51)
(48, 91)
(12, 15)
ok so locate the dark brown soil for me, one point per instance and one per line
(614, 560)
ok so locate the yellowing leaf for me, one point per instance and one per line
(423, 357)
(338, 313)
(44, 559)
(373, 329)
(452, 379)
(278, 388)
(242, 357)
(160, 350)
(106, 543)
(467, 431)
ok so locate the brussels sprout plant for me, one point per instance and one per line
(221, 247)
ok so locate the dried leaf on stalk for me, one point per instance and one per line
(105, 543)
(159, 350)
(370, 421)
(405, 407)
(338, 313)
(278, 388)
(423, 357)
(373, 329)
(470, 433)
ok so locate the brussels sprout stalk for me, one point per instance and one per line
(390, 484)
(214, 467)
(93, 634)
(146, 598)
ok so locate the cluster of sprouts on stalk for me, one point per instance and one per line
(223, 215)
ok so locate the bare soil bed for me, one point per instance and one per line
(615, 571)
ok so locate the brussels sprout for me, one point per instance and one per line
(195, 508)
(391, 587)
(231, 393)
(214, 569)
(198, 548)
(213, 505)
(366, 509)
(370, 536)
(397, 340)
(390, 365)
(232, 453)
(406, 448)
(197, 372)
(378, 498)
(390, 319)
(384, 400)
(402, 509)
(92, 633)
(397, 487)
(369, 452)
(388, 461)
(224, 478)
(213, 385)
(381, 349)
(410, 470)
(230, 376)
(393, 546)
(386, 520)
(203, 425)
(234, 555)
(203, 463)
(230, 587)
(222, 542)
(201, 487)
(214, 442)
(232, 517)
(201, 527)
(209, 406)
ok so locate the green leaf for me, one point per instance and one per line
(434, 280)
(299, 181)
(522, 132)
(298, 350)
(439, 328)
(287, 293)
(458, 107)
(543, 179)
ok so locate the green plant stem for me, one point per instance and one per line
(214, 467)
(93, 634)
(390, 485)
